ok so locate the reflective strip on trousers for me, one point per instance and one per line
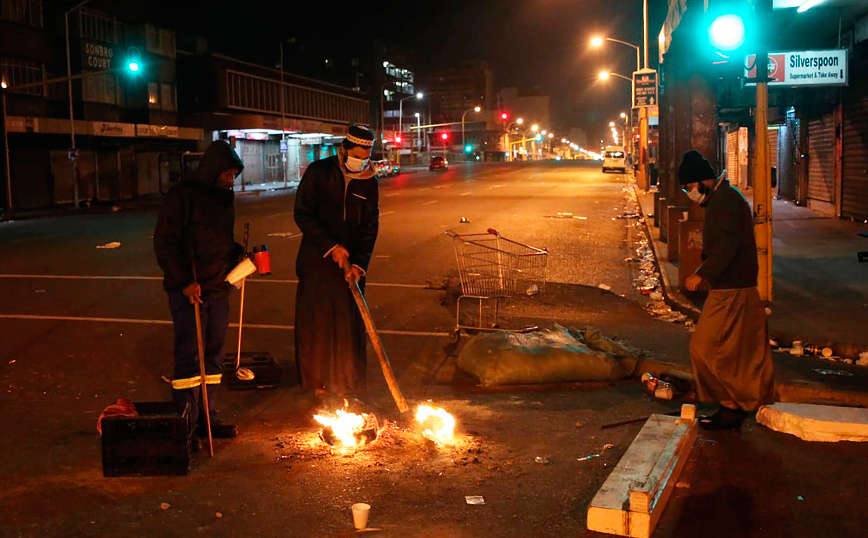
(191, 382)
(187, 383)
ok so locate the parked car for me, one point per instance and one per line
(614, 158)
(394, 168)
(383, 168)
(438, 162)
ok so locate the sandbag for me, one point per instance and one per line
(551, 356)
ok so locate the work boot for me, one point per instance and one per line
(724, 419)
(219, 430)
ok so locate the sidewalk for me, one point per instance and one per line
(820, 293)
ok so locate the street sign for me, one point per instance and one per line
(283, 146)
(804, 68)
(72, 154)
(645, 87)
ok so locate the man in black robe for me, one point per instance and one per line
(337, 211)
(729, 350)
(195, 247)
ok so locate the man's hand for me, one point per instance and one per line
(354, 274)
(193, 292)
(341, 256)
(693, 282)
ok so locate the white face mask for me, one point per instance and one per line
(695, 194)
(355, 164)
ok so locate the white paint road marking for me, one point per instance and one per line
(465, 193)
(279, 215)
(429, 202)
(169, 322)
(159, 278)
(392, 194)
(387, 213)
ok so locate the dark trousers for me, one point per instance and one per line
(186, 381)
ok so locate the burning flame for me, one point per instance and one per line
(437, 424)
(344, 425)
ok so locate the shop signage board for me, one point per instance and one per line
(804, 68)
(108, 128)
(645, 87)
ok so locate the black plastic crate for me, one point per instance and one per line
(265, 369)
(154, 443)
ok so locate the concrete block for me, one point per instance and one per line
(673, 217)
(657, 200)
(632, 499)
(826, 423)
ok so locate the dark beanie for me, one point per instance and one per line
(359, 135)
(694, 167)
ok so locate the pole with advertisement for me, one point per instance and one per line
(644, 96)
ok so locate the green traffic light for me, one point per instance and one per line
(468, 149)
(133, 66)
(727, 32)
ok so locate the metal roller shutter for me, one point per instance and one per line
(854, 197)
(821, 158)
(732, 157)
(773, 145)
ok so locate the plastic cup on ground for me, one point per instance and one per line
(360, 515)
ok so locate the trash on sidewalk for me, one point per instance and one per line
(842, 373)
(605, 287)
(464, 220)
(165, 506)
(533, 289)
(113, 244)
(543, 460)
(474, 499)
(556, 355)
(810, 422)
(283, 234)
(606, 447)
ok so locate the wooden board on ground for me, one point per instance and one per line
(826, 423)
(632, 499)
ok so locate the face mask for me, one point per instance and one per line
(698, 194)
(356, 165)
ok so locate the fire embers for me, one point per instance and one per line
(343, 430)
(437, 425)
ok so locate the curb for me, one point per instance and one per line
(673, 299)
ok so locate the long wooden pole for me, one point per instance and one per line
(385, 365)
(203, 387)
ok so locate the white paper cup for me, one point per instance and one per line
(240, 272)
(360, 515)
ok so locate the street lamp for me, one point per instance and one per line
(598, 41)
(419, 95)
(604, 75)
(474, 109)
(534, 127)
(69, 91)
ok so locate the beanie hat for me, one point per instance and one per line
(694, 167)
(360, 135)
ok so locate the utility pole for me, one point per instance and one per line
(762, 202)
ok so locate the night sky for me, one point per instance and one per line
(528, 43)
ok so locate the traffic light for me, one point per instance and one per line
(504, 116)
(468, 149)
(398, 139)
(729, 37)
(444, 136)
(132, 60)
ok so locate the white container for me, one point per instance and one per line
(360, 515)
(240, 272)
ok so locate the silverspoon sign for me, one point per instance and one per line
(804, 68)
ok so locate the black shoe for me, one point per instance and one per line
(219, 430)
(724, 419)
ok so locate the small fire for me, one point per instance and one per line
(344, 426)
(437, 425)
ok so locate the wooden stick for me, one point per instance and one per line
(385, 365)
(203, 388)
(240, 324)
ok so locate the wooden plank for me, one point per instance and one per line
(632, 499)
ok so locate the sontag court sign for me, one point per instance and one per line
(804, 68)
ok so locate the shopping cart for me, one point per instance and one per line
(491, 268)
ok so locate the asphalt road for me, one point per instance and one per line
(82, 326)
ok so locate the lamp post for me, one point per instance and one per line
(604, 75)
(417, 141)
(598, 41)
(419, 95)
(73, 155)
(474, 109)
(517, 121)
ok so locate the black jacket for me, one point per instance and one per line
(728, 242)
(198, 217)
(330, 212)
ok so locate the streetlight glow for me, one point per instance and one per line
(611, 124)
(519, 121)
(551, 135)
(420, 95)
(534, 127)
(624, 115)
(3, 85)
(477, 109)
(596, 41)
(563, 140)
(603, 75)
(543, 132)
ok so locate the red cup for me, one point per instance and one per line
(263, 260)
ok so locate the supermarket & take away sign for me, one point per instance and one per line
(804, 68)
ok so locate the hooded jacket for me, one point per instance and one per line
(197, 221)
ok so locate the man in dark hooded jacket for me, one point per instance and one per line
(337, 210)
(195, 247)
(729, 350)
